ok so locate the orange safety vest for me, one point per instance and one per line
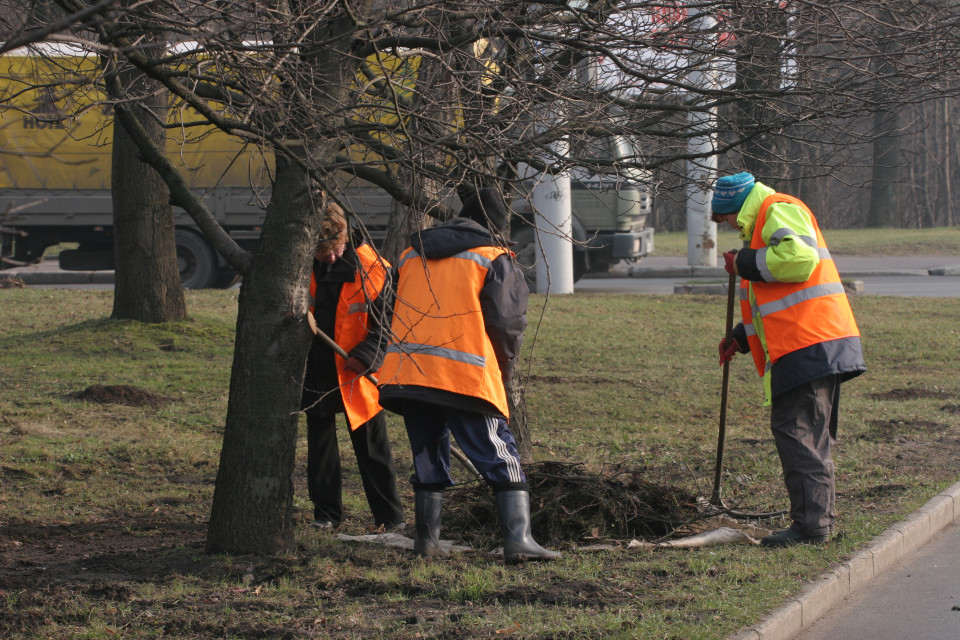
(794, 315)
(361, 398)
(439, 337)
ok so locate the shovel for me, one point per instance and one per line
(715, 498)
(459, 455)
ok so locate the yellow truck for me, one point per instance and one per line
(56, 134)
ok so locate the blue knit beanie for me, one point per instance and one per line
(730, 192)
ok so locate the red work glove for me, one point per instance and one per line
(355, 365)
(728, 348)
(730, 262)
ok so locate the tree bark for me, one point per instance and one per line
(519, 423)
(759, 64)
(253, 500)
(884, 208)
(147, 279)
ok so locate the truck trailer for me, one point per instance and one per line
(56, 133)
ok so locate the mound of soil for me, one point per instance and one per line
(121, 394)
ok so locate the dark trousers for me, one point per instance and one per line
(804, 425)
(374, 459)
(486, 440)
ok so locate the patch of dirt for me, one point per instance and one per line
(11, 282)
(105, 552)
(122, 394)
(115, 564)
(550, 379)
(907, 393)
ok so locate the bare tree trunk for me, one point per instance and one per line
(519, 424)
(253, 500)
(759, 69)
(403, 222)
(147, 281)
(948, 151)
(885, 186)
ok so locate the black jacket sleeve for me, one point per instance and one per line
(740, 335)
(371, 350)
(503, 300)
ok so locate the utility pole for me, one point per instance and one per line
(554, 240)
(702, 167)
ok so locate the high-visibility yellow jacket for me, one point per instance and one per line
(796, 315)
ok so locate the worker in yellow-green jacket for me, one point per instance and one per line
(800, 329)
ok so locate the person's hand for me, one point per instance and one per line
(730, 262)
(728, 348)
(355, 365)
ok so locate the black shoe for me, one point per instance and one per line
(790, 537)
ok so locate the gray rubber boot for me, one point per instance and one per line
(426, 509)
(513, 508)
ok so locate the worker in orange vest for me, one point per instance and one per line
(350, 301)
(800, 329)
(458, 324)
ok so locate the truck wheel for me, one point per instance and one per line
(526, 251)
(196, 260)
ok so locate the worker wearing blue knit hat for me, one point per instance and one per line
(730, 192)
(800, 330)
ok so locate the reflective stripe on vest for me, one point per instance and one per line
(783, 317)
(439, 336)
(361, 398)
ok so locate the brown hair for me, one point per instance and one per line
(333, 229)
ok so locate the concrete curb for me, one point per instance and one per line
(60, 277)
(883, 552)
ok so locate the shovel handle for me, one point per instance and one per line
(715, 498)
(459, 455)
(333, 345)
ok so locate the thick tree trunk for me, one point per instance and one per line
(147, 281)
(253, 500)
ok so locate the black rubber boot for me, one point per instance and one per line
(791, 537)
(513, 507)
(426, 508)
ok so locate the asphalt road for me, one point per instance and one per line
(918, 599)
(905, 285)
(929, 276)
(888, 276)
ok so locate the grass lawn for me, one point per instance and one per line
(103, 506)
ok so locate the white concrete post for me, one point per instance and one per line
(554, 231)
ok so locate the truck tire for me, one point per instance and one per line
(526, 251)
(196, 260)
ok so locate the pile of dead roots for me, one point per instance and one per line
(570, 503)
